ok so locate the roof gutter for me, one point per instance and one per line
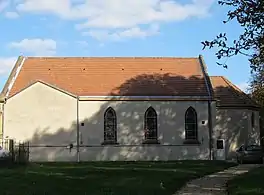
(209, 87)
(139, 98)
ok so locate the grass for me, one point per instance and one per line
(109, 178)
(251, 183)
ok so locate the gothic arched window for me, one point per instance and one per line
(191, 127)
(151, 126)
(110, 124)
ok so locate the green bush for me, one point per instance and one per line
(5, 160)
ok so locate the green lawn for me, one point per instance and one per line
(251, 183)
(98, 178)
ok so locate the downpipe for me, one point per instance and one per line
(78, 131)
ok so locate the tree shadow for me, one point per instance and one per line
(162, 85)
(233, 119)
(46, 145)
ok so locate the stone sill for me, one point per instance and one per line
(191, 142)
(109, 143)
(151, 141)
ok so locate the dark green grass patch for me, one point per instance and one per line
(251, 183)
(109, 178)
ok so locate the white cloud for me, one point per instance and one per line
(118, 14)
(118, 35)
(124, 14)
(3, 4)
(137, 32)
(82, 43)
(61, 8)
(6, 64)
(38, 47)
(11, 15)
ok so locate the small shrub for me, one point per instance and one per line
(6, 160)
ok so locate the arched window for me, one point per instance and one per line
(253, 119)
(191, 132)
(150, 124)
(110, 124)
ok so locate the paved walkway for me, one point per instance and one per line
(214, 184)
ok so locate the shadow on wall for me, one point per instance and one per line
(261, 121)
(130, 125)
(234, 125)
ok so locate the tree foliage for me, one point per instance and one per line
(257, 86)
(250, 16)
(257, 92)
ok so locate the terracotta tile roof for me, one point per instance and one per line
(102, 76)
(228, 94)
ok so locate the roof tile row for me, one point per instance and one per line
(127, 76)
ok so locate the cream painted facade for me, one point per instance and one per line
(235, 127)
(1, 119)
(36, 114)
(130, 131)
(47, 118)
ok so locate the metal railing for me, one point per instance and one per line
(18, 152)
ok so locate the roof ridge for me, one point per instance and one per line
(108, 57)
(237, 89)
(230, 83)
(206, 76)
(216, 76)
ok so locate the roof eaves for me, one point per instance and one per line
(238, 107)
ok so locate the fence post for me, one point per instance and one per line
(19, 152)
(11, 149)
(27, 151)
(24, 153)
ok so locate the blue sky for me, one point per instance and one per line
(116, 28)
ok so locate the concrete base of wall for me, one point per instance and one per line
(120, 153)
